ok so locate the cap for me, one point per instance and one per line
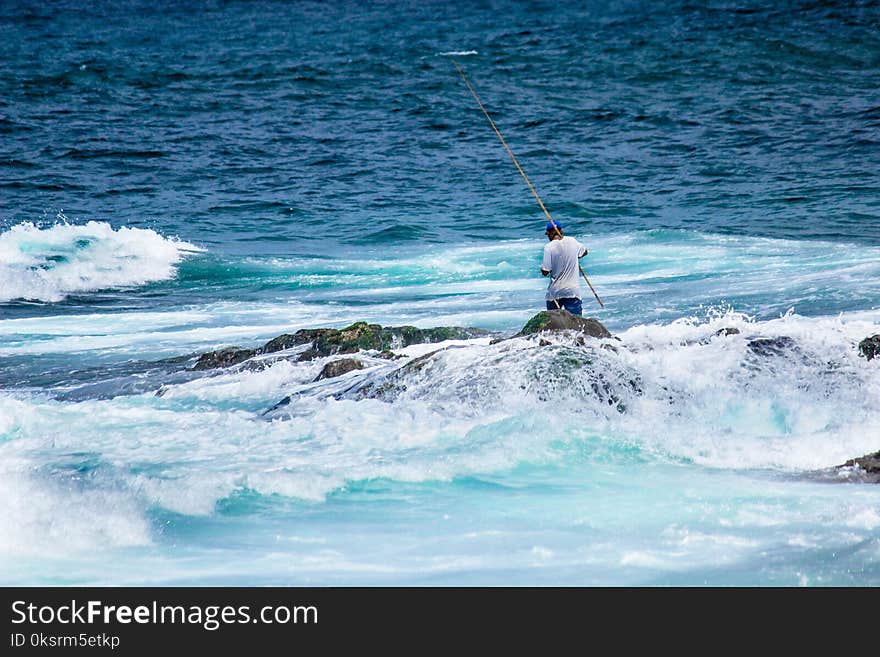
(551, 228)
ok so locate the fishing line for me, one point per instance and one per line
(522, 173)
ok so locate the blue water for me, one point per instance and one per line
(178, 177)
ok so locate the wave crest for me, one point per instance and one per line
(48, 264)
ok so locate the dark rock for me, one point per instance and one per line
(562, 320)
(771, 346)
(868, 467)
(174, 360)
(284, 402)
(283, 342)
(387, 387)
(363, 337)
(870, 347)
(418, 364)
(722, 332)
(322, 342)
(443, 333)
(223, 358)
(339, 367)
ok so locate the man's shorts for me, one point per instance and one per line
(571, 304)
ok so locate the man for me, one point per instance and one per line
(561, 264)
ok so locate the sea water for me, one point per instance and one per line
(176, 178)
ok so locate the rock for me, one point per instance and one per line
(322, 342)
(722, 332)
(357, 337)
(223, 358)
(363, 337)
(283, 342)
(562, 320)
(870, 347)
(388, 386)
(339, 367)
(281, 404)
(771, 346)
(869, 463)
(868, 466)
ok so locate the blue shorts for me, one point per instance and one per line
(571, 304)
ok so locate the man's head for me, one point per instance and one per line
(551, 230)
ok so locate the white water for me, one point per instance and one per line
(50, 264)
(478, 410)
(498, 463)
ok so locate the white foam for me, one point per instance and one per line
(49, 518)
(477, 408)
(727, 407)
(49, 264)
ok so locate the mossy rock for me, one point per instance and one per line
(562, 320)
(360, 336)
(223, 358)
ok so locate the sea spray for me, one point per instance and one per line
(49, 264)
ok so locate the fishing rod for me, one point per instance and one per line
(521, 172)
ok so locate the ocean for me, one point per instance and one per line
(181, 177)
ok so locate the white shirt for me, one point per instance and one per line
(561, 260)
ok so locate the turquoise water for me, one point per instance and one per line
(178, 179)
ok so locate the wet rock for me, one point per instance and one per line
(562, 320)
(323, 342)
(365, 337)
(867, 468)
(174, 360)
(722, 332)
(387, 387)
(282, 342)
(357, 337)
(223, 358)
(339, 367)
(421, 362)
(772, 346)
(281, 404)
(870, 347)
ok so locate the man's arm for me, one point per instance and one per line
(546, 261)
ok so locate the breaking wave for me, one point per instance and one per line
(49, 264)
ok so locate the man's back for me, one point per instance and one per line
(561, 260)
